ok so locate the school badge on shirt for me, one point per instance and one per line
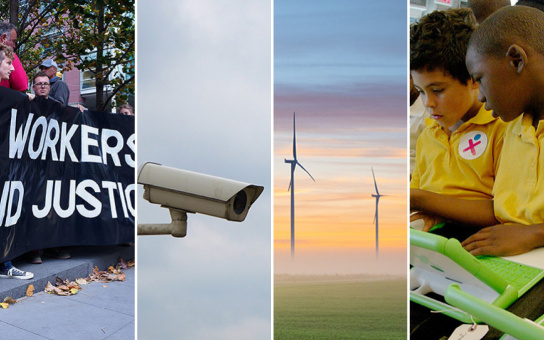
(472, 145)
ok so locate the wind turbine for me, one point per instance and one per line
(376, 215)
(294, 162)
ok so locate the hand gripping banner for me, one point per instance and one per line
(66, 177)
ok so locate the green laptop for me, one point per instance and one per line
(438, 262)
(513, 326)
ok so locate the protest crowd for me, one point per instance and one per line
(46, 85)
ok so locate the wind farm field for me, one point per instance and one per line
(339, 307)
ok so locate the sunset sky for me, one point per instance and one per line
(341, 66)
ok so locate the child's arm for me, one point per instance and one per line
(429, 221)
(476, 212)
(505, 239)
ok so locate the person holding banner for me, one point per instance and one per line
(7, 270)
(6, 61)
(18, 80)
(126, 109)
(59, 89)
(41, 86)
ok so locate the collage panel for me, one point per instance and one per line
(476, 236)
(340, 164)
(67, 162)
(204, 141)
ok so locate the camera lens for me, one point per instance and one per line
(240, 202)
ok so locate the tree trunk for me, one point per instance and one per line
(14, 12)
(99, 56)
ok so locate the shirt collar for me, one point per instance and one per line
(483, 117)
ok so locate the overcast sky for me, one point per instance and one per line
(204, 105)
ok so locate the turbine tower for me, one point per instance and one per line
(294, 162)
(376, 215)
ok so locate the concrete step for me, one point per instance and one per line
(82, 263)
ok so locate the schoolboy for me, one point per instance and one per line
(506, 57)
(457, 154)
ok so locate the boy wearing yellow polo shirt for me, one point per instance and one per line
(506, 57)
(457, 154)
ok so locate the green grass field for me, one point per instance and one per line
(321, 308)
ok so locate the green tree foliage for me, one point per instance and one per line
(93, 35)
(98, 36)
(34, 29)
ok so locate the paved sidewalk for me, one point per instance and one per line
(98, 311)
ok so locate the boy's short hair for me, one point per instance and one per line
(507, 26)
(440, 41)
(538, 4)
(484, 8)
(5, 51)
(38, 75)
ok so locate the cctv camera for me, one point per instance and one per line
(197, 193)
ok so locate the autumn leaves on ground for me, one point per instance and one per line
(67, 287)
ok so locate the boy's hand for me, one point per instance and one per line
(471, 212)
(505, 239)
(428, 220)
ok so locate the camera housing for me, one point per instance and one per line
(197, 193)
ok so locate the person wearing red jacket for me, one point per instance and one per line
(18, 80)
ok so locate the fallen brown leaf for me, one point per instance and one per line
(30, 290)
(121, 264)
(9, 300)
(82, 281)
(63, 287)
(49, 288)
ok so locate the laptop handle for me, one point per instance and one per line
(494, 316)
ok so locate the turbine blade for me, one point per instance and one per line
(375, 185)
(289, 189)
(306, 171)
(294, 139)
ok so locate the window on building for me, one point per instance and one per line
(88, 80)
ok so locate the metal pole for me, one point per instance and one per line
(177, 228)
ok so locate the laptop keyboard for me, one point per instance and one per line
(516, 274)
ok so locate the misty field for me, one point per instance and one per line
(331, 308)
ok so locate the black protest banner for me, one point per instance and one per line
(66, 177)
